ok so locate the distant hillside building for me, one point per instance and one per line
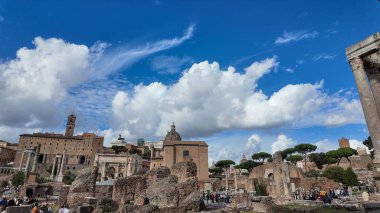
(175, 150)
(38, 151)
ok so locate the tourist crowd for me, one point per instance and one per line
(18, 201)
(326, 196)
(216, 197)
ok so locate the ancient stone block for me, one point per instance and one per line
(193, 202)
(184, 170)
(63, 196)
(74, 200)
(85, 181)
(163, 192)
(186, 188)
(137, 209)
(157, 173)
(127, 189)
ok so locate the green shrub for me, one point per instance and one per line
(68, 178)
(349, 177)
(18, 179)
(261, 189)
(312, 173)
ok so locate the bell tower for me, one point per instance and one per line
(70, 125)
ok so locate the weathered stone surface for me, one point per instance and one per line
(74, 200)
(186, 188)
(137, 209)
(85, 181)
(157, 173)
(63, 196)
(163, 192)
(240, 201)
(184, 170)
(193, 202)
(127, 189)
(18, 209)
(103, 192)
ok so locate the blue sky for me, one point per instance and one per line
(133, 67)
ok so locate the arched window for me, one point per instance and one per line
(186, 154)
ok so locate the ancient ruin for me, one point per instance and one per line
(364, 59)
(159, 190)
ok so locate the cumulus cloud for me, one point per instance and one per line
(325, 145)
(253, 143)
(282, 142)
(35, 84)
(206, 100)
(169, 64)
(288, 37)
(356, 144)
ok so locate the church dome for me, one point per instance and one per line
(244, 159)
(173, 135)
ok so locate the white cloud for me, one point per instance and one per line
(253, 144)
(282, 143)
(324, 56)
(37, 86)
(356, 144)
(288, 37)
(169, 64)
(291, 70)
(33, 84)
(206, 100)
(325, 145)
(124, 56)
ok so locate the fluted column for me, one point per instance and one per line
(368, 104)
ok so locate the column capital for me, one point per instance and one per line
(356, 64)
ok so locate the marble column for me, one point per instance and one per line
(28, 162)
(368, 104)
(22, 159)
(52, 171)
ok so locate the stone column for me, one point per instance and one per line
(374, 79)
(59, 164)
(34, 162)
(368, 104)
(60, 176)
(28, 162)
(52, 171)
(117, 171)
(22, 159)
(104, 172)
